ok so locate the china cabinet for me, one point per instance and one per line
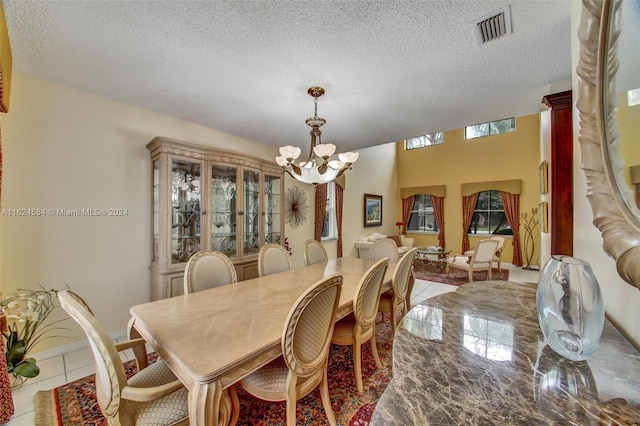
(210, 199)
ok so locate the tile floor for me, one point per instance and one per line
(58, 370)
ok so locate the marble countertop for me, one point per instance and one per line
(476, 356)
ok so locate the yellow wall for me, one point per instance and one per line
(629, 128)
(506, 156)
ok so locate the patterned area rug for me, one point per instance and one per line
(428, 272)
(75, 403)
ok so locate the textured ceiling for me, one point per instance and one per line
(391, 69)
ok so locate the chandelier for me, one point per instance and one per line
(318, 168)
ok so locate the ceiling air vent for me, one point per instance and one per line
(493, 26)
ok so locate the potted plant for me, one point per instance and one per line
(26, 312)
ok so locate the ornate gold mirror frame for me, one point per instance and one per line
(599, 135)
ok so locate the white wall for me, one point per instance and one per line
(545, 155)
(622, 301)
(375, 174)
(67, 149)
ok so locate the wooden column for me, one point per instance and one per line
(561, 173)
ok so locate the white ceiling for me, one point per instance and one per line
(391, 69)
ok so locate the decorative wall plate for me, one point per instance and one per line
(295, 206)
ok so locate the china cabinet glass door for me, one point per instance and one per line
(251, 212)
(156, 210)
(223, 210)
(185, 209)
(272, 231)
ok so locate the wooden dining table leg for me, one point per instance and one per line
(209, 405)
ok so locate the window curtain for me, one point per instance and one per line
(438, 212)
(320, 210)
(407, 206)
(6, 397)
(339, 203)
(468, 208)
(511, 205)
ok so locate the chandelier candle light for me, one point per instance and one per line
(318, 168)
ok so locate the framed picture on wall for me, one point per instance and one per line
(372, 210)
(543, 209)
(543, 174)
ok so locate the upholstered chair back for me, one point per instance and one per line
(273, 258)
(307, 333)
(314, 252)
(365, 304)
(207, 269)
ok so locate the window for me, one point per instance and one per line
(329, 229)
(424, 140)
(490, 128)
(488, 216)
(422, 218)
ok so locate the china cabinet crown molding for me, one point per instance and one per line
(200, 152)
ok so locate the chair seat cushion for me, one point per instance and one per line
(269, 379)
(169, 410)
(155, 374)
(463, 262)
(269, 382)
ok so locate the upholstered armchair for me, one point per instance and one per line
(498, 255)
(481, 259)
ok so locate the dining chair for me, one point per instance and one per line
(153, 396)
(137, 344)
(306, 339)
(481, 259)
(384, 247)
(273, 258)
(207, 269)
(314, 252)
(410, 285)
(359, 326)
(394, 301)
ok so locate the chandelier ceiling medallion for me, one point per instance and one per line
(318, 168)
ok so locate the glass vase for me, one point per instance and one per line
(570, 307)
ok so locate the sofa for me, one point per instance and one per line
(364, 244)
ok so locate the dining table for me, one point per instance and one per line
(213, 338)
